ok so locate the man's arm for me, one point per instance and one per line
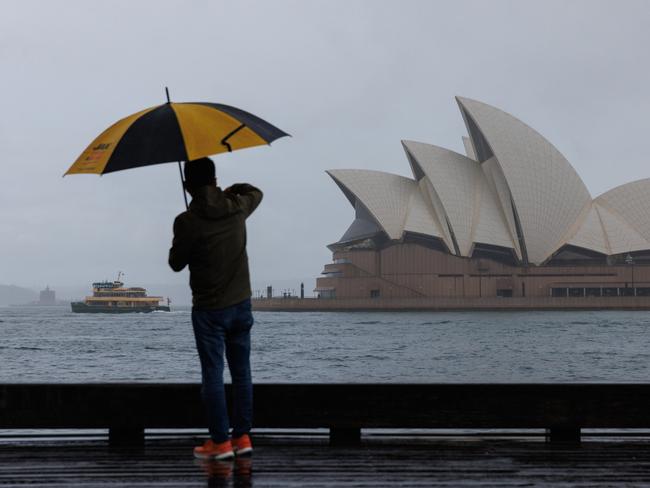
(248, 196)
(179, 254)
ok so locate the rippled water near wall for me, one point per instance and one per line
(51, 344)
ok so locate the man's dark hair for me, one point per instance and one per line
(199, 172)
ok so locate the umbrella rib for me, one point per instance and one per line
(224, 141)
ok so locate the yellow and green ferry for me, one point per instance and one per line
(114, 297)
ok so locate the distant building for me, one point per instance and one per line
(47, 297)
(511, 218)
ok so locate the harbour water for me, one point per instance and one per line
(51, 344)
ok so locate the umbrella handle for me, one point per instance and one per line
(180, 171)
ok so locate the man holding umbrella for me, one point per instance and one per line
(210, 238)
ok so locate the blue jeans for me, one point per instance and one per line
(215, 331)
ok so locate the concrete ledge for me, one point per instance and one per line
(127, 409)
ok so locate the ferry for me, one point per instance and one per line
(113, 297)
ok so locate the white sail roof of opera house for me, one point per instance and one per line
(513, 189)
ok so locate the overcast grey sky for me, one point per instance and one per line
(348, 79)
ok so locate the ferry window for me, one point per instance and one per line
(504, 292)
(643, 292)
(374, 293)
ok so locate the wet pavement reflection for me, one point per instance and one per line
(220, 473)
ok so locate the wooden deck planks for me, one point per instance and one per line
(425, 462)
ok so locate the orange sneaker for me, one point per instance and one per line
(212, 450)
(242, 445)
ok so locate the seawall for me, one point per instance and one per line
(450, 304)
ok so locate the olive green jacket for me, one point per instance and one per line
(210, 238)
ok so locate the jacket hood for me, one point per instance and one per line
(212, 203)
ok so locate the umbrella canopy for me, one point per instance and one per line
(173, 132)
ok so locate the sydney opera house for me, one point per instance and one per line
(510, 218)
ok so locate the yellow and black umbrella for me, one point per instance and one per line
(173, 132)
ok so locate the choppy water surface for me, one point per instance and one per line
(54, 345)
